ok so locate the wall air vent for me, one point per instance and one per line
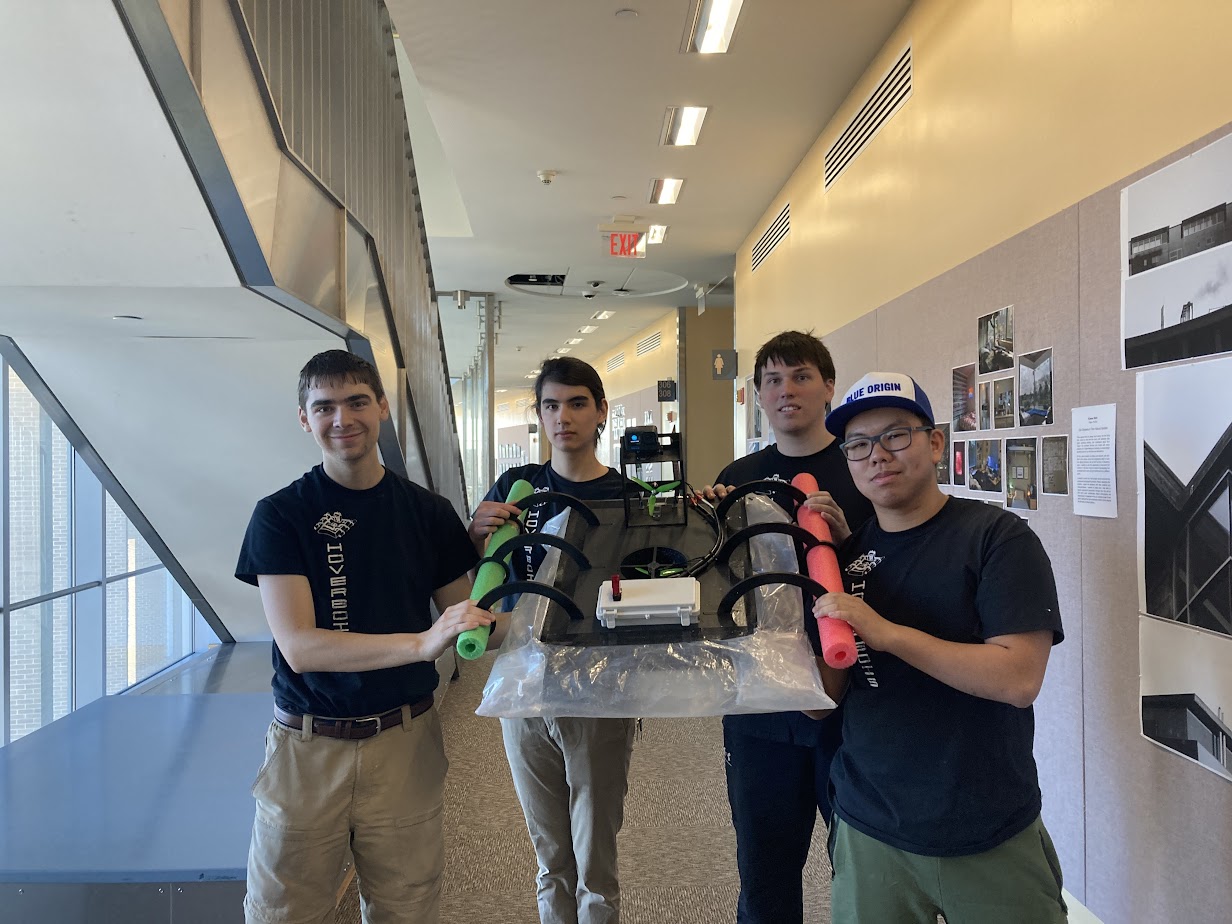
(887, 98)
(649, 344)
(616, 361)
(776, 232)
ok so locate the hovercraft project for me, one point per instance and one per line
(661, 604)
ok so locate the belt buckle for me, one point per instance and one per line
(376, 719)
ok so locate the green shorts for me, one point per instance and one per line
(1016, 882)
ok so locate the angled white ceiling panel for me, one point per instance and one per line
(97, 192)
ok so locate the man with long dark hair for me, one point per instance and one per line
(571, 773)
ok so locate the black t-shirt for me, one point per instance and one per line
(543, 478)
(829, 467)
(373, 559)
(924, 767)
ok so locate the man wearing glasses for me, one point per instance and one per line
(936, 797)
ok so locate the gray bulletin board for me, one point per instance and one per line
(1142, 833)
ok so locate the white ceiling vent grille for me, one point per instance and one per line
(649, 344)
(887, 98)
(616, 361)
(776, 232)
(522, 403)
(502, 408)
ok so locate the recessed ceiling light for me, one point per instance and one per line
(588, 329)
(618, 198)
(501, 391)
(531, 376)
(601, 316)
(711, 26)
(657, 234)
(665, 191)
(574, 340)
(127, 317)
(627, 14)
(564, 349)
(682, 125)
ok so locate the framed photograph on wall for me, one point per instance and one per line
(1035, 388)
(1055, 461)
(984, 466)
(995, 335)
(1003, 402)
(962, 387)
(943, 465)
(1176, 260)
(985, 405)
(1184, 535)
(1021, 488)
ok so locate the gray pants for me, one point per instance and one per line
(571, 775)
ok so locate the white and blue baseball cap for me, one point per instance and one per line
(879, 389)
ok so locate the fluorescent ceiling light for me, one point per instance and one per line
(657, 234)
(531, 376)
(601, 316)
(683, 124)
(574, 341)
(712, 27)
(588, 329)
(501, 391)
(564, 349)
(665, 191)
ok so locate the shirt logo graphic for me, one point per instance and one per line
(334, 525)
(865, 563)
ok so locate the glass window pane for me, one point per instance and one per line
(1208, 540)
(40, 497)
(126, 549)
(1213, 607)
(40, 665)
(146, 627)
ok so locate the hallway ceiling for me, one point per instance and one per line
(501, 91)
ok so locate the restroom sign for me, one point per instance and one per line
(627, 244)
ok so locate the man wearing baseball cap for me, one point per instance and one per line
(935, 791)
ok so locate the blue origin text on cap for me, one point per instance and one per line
(880, 389)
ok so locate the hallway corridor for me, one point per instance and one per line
(677, 849)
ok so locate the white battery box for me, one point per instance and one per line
(658, 602)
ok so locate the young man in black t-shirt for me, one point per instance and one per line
(778, 764)
(571, 773)
(348, 560)
(936, 796)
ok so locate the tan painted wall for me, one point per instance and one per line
(638, 372)
(1020, 109)
(707, 408)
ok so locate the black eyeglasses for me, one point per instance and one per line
(895, 440)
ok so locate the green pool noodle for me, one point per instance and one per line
(474, 642)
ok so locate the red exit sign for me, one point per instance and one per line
(628, 244)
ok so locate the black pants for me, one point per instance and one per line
(775, 791)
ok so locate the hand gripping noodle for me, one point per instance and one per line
(838, 642)
(474, 642)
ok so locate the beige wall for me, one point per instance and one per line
(638, 372)
(515, 416)
(1020, 109)
(707, 407)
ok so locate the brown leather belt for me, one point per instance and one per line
(352, 729)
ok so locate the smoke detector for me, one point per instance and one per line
(546, 176)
